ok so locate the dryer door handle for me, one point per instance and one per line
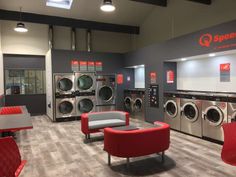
(181, 112)
(204, 116)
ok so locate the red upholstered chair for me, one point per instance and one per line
(137, 143)
(10, 159)
(228, 153)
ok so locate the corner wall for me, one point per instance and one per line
(1, 71)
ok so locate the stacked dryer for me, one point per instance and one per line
(85, 85)
(64, 96)
(106, 92)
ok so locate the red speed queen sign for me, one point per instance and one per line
(225, 67)
(170, 76)
(153, 77)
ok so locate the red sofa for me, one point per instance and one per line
(137, 142)
(94, 122)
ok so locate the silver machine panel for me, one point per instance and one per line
(172, 111)
(64, 83)
(191, 116)
(138, 98)
(214, 114)
(65, 107)
(85, 104)
(231, 108)
(106, 90)
(85, 81)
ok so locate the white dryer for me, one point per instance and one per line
(214, 114)
(85, 82)
(231, 108)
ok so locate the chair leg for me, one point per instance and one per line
(127, 162)
(109, 159)
(88, 136)
(163, 157)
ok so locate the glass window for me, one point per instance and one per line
(24, 81)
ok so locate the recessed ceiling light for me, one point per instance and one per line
(64, 4)
(212, 55)
(107, 6)
(183, 59)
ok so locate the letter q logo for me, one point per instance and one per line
(205, 40)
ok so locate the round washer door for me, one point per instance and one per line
(85, 82)
(105, 93)
(65, 107)
(65, 84)
(171, 108)
(190, 112)
(128, 103)
(85, 105)
(138, 104)
(214, 115)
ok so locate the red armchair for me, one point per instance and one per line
(228, 153)
(94, 122)
(137, 142)
(11, 164)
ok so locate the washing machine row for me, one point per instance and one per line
(134, 103)
(81, 93)
(198, 113)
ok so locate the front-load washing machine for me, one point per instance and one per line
(231, 108)
(85, 82)
(85, 103)
(65, 106)
(138, 98)
(64, 83)
(214, 114)
(191, 114)
(106, 92)
(128, 102)
(172, 110)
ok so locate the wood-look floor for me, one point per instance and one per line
(59, 150)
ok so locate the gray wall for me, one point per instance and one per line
(154, 56)
(112, 63)
(2, 102)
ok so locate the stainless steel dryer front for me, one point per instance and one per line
(214, 114)
(138, 97)
(191, 114)
(231, 108)
(128, 102)
(65, 106)
(64, 83)
(85, 82)
(85, 103)
(172, 110)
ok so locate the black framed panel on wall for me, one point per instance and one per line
(24, 82)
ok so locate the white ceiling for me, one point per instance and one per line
(127, 12)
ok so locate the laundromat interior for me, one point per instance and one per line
(117, 88)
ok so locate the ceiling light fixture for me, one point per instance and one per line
(107, 6)
(183, 59)
(64, 4)
(212, 55)
(20, 27)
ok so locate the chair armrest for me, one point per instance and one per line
(20, 168)
(126, 118)
(84, 123)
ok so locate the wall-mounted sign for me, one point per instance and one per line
(83, 65)
(225, 72)
(91, 66)
(170, 76)
(74, 65)
(98, 66)
(217, 41)
(120, 79)
(153, 77)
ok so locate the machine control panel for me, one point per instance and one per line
(153, 96)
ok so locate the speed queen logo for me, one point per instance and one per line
(207, 39)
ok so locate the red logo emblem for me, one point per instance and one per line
(205, 40)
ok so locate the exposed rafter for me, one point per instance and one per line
(70, 22)
(207, 2)
(162, 3)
